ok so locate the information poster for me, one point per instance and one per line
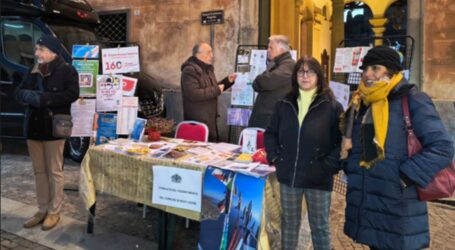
(120, 60)
(82, 113)
(86, 51)
(177, 187)
(108, 92)
(88, 72)
(129, 85)
(349, 59)
(238, 116)
(242, 91)
(127, 114)
(341, 92)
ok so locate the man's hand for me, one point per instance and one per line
(30, 97)
(221, 86)
(232, 77)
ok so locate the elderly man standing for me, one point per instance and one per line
(200, 89)
(48, 89)
(274, 83)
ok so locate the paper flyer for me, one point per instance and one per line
(82, 113)
(120, 60)
(242, 91)
(108, 92)
(127, 115)
(341, 92)
(107, 124)
(238, 116)
(138, 129)
(129, 85)
(88, 72)
(249, 139)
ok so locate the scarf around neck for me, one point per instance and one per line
(375, 97)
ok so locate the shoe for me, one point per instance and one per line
(35, 220)
(50, 221)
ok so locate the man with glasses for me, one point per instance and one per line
(200, 89)
(274, 83)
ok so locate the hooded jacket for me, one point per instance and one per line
(200, 93)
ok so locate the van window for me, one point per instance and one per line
(70, 35)
(19, 38)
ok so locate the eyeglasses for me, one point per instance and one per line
(309, 73)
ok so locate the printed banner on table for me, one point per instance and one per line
(177, 187)
(231, 210)
(86, 51)
(82, 112)
(238, 116)
(242, 91)
(88, 72)
(120, 60)
(341, 92)
(108, 92)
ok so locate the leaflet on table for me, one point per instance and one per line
(108, 92)
(107, 126)
(249, 138)
(224, 147)
(82, 113)
(138, 129)
(127, 114)
(177, 187)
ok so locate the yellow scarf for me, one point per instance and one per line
(376, 96)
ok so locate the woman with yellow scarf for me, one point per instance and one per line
(383, 210)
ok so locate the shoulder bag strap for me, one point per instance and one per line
(414, 145)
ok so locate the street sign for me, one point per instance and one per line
(212, 17)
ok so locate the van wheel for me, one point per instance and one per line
(76, 147)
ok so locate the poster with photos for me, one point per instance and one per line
(88, 72)
(108, 93)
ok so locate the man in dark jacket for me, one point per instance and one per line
(274, 83)
(49, 88)
(200, 89)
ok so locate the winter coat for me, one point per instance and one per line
(271, 86)
(382, 212)
(200, 93)
(305, 156)
(61, 88)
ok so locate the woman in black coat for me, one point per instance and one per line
(303, 142)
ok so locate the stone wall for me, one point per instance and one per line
(167, 30)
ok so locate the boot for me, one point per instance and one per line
(35, 220)
(50, 221)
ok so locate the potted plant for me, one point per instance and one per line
(156, 126)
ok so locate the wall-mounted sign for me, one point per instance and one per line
(212, 17)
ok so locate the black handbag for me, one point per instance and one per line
(62, 124)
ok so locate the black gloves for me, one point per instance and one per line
(30, 97)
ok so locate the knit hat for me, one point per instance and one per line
(382, 55)
(50, 42)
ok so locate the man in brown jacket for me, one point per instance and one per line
(200, 89)
(274, 83)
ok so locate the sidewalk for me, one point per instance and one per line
(119, 223)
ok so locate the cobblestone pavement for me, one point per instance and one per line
(124, 216)
(11, 241)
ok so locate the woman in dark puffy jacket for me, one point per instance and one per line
(302, 141)
(383, 210)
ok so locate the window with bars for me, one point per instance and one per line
(114, 26)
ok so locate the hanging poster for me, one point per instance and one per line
(127, 114)
(107, 124)
(349, 59)
(341, 92)
(177, 187)
(86, 51)
(108, 92)
(129, 85)
(242, 91)
(88, 72)
(231, 210)
(82, 113)
(120, 60)
(238, 116)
